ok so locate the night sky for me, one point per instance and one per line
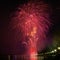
(7, 7)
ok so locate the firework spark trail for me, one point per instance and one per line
(33, 20)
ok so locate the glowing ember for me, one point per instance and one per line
(33, 21)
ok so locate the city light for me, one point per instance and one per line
(58, 48)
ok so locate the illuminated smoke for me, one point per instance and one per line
(33, 21)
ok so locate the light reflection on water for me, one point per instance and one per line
(23, 57)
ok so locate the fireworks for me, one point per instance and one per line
(33, 21)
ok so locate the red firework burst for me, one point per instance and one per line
(33, 21)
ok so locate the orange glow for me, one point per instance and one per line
(33, 54)
(33, 32)
(32, 50)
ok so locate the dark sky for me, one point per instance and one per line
(7, 7)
